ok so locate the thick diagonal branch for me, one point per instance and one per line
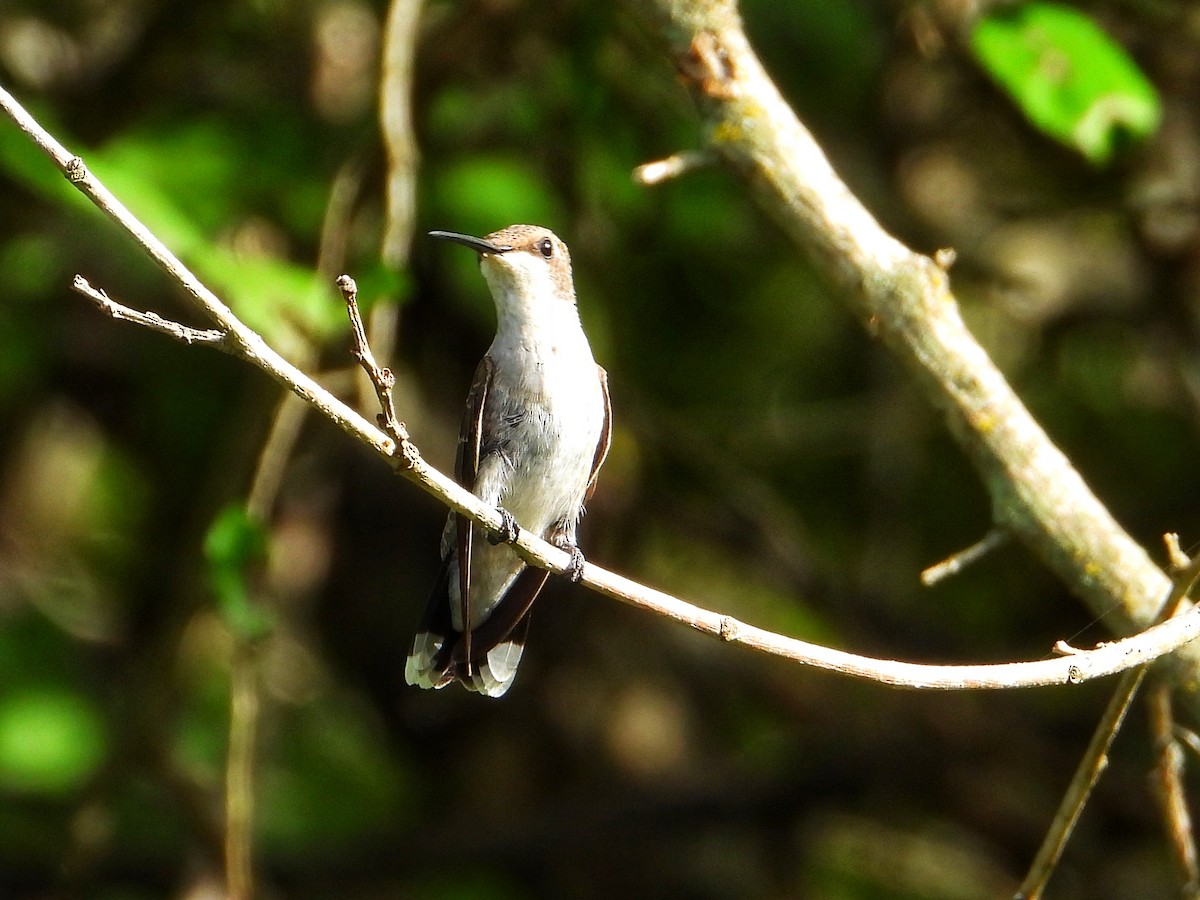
(904, 299)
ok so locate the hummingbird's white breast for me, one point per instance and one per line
(542, 426)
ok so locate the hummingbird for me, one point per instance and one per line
(535, 433)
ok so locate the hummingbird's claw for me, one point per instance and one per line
(509, 530)
(574, 570)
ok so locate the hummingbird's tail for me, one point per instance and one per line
(437, 656)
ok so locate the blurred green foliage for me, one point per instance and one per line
(51, 741)
(234, 545)
(333, 784)
(769, 460)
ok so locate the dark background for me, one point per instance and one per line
(769, 461)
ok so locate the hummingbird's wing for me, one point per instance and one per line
(437, 644)
(466, 466)
(605, 436)
(484, 655)
(499, 640)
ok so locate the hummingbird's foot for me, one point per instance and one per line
(509, 530)
(574, 570)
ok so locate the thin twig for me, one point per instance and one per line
(396, 127)
(382, 379)
(153, 321)
(239, 772)
(1188, 738)
(245, 666)
(1185, 572)
(1170, 790)
(274, 455)
(395, 120)
(245, 690)
(1094, 762)
(675, 165)
(952, 565)
(336, 224)
(400, 35)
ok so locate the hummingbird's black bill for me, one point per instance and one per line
(479, 245)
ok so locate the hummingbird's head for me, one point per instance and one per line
(524, 265)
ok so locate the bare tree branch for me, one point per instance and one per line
(244, 710)
(952, 565)
(904, 299)
(395, 117)
(673, 166)
(382, 379)
(188, 335)
(1085, 665)
(1170, 790)
(1087, 774)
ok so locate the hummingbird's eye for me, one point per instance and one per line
(545, 247)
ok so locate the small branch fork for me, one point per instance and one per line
(1184, 573)
(1169, 788)
(244, 342)
(212, 337)
(382, 379)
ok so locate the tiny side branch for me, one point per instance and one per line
(381, 379)
(153, 321)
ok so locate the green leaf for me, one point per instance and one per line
(51, 740)
(234, 546)
(1070, 79)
